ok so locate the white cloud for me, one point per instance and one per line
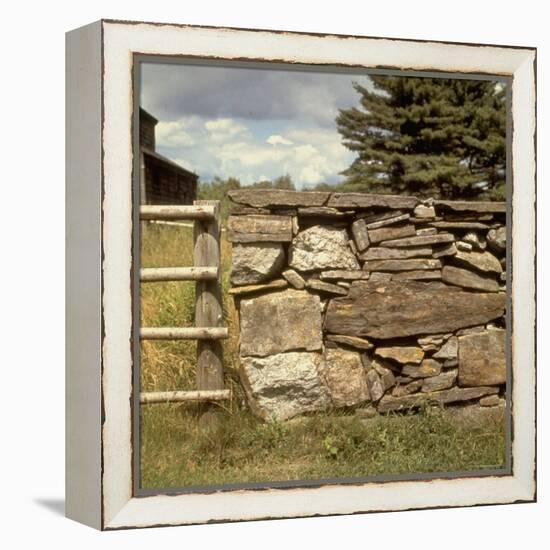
(223, 129)
(276, 139)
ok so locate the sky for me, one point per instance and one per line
(252, 124)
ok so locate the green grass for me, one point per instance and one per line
(175, 452)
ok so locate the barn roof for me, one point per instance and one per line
(165, 160)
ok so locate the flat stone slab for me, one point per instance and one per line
(345, 377)
(445, 250)
(393, 309)
(255, 289)
(388, 221)
(365, 200)
(253, 263)
(442, 381)
(401, 354)
(472, 206)
(320, 247)
(259, 228)
(391, 403)
(391, 232)
(323, 212)
(382, 253)
(280, 321)
(428, 368)
(343, 275)
(284, 385)
(468, 279)
(420, 240)
(294, 279)
(267, 198)
(402, 265)
(353, 341)
(329, 288)
(417, 275)
(482, 358)
(459, 225)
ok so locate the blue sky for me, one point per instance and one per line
(251, 124)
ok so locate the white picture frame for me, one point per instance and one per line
(99, 389)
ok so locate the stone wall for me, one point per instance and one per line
(371, 301)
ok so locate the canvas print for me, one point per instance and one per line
(322, 275)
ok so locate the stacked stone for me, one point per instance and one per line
(374, 301)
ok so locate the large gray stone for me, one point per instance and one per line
(393, 309)
(366, 200)
(391, 232)
(256, 263)
(280, 321)
(284, 385)
(482, 358)
(496, 239)
(345, 377)
(321, 247)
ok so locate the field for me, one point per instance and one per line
(175, 452)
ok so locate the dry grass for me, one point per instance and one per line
(175, 452)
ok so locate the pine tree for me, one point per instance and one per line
(435, 137)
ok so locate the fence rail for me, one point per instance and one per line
(208, 303)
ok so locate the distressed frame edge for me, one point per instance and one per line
(83, 309)
(523, 487)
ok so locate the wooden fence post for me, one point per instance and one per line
(208, 308)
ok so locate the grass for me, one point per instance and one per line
(175, 452)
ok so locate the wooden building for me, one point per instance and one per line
(162, 180)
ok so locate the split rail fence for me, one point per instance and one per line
(208, 301)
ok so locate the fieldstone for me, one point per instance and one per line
(365, 200)
(449, 250)
(459, 225)
(432, 342)
(442, 381)
(345, 377)
(421, 240)
(343, 284)
(418, 275)
(461, 245)
(296, 280)
(496, 239)
(353, 341)
(386, 375)
(360, 234)
(256, 262)
(280, 321)
(387, 221)
(343, 274)
(449, 349)
(471, 330)
(381, 253)
(321, 248)
(374, 217)
(323, 212)
(259, 228)
(278, 197)
(472, 206)
(428, 367)
(407, 389)
(426, 231)
(482, 261)
(490, 401)
(467, 279)
(376, 387)
(392, 232)
(401, 354)
(390, 403)
(329, 288)
(402, 265)
(238, 291)
(475, 240)
(394, 309)
(284, 385)
(379, 276)
(422, 211)
(482, 358)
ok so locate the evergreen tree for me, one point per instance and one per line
(435, 137)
